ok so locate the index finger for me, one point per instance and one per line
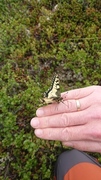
(69, 103)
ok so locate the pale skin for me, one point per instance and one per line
(63, 122)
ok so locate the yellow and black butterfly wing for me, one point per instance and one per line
(53, 93)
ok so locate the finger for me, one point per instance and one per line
(62, 134)
(90, 131)
(69, 103)
(63, 107)
(94, 146)
(62, 120)
(79, 93)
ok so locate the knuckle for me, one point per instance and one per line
(70, 106)
(49, 134)
(96, 134)
(65, 120)
(65, 134)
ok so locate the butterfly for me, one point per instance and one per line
(53, 95)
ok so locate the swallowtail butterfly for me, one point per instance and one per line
(53, 95)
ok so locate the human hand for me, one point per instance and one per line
(78, 129)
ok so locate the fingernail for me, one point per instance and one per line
(34, 122)
(40, 112)
(38, 132)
